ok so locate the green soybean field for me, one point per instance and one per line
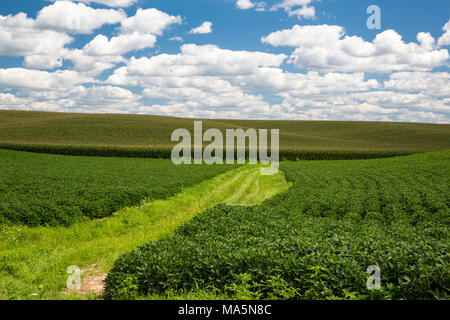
(314, 241)
(40, 189)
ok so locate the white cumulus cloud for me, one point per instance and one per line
(327, 48)
(109, 3)
(203, 60)
(445, 39)
(204, 28)
(298, 8)
(101, 45)
(149, 21)
(76, 17)
(244, 4)
(137, 32)
(434, 84)
(37, 79)
(20, 36)
(90, 64)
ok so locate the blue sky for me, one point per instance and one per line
(282, 59)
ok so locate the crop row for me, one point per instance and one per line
(126, 130)
(165, 153)
(314, 241)
(41, 189)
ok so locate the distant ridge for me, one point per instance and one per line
(127, 135)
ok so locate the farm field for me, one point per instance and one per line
(315, 241)
(153, 230)
(34, 260)
(39, 189)
(149, 136)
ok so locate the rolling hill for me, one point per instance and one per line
(149, 136)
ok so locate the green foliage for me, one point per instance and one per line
(165, 153)
(53, 190)
(243, 288)
(314, 241)
(31, 257)
(94, 151)
(142, 136)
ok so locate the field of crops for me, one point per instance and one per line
(149, 136)
(34, 260)
(39, 189)
(314, 241)
(157, 230)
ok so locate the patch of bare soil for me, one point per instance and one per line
(92, 282)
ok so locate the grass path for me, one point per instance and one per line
(33, 261)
